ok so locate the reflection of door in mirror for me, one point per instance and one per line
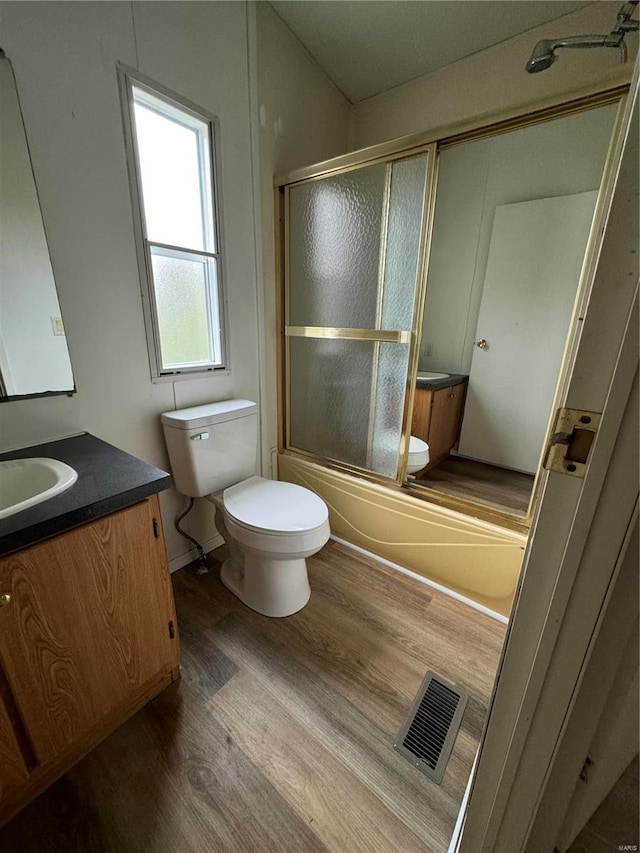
(34, 358)
(535, 257)
(511, 225)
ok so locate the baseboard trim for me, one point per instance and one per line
(450, 592)
(454, 844)
(214, 542)
(182, 560)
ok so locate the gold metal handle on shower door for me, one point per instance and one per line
(482, 344)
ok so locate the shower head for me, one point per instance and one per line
(543, 55)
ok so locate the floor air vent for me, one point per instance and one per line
(427, 735)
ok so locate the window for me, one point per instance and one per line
(171, 150)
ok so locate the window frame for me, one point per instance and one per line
(217, 314)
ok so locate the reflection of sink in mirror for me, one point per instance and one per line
(27, 482)
(429, 374)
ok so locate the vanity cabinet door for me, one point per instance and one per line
(13, 770)
(421, 419)
(454, 407)
(87, 625)
(440, 428)
(446, 419)
(458, 398)
(437, 417)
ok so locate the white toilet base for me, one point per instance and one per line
(270, 587)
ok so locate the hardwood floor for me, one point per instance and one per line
(279, 735)
(491, 486)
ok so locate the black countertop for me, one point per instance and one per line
(436, 384)
(108, 480)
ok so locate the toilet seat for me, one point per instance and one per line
(275, 520)
(274, 507)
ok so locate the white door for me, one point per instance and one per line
(535, 258)
(579, 532)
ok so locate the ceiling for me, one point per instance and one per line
(369, 46)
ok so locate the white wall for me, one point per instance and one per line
(32, 358)
(64, 57)
(493, 84)
(614, 746)
(303, 119)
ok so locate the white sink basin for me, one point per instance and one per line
(27, 482)
(428, 374)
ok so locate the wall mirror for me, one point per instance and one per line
(511, 223)
(34, 358)
(490, 290)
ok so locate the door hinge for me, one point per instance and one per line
(156, 528)
(570, 444)
(172, 630)
(586, 767)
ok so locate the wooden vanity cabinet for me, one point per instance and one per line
(13, 770)
(88, 636)
(437, 419)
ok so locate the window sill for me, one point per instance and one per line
(181, 377)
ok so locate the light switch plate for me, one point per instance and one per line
(58, 327)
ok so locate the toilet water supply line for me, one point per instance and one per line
(202, 559)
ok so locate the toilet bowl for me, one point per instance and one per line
(418, 455)
(271, 527)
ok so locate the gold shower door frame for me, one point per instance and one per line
(377, 336)
(401, 148)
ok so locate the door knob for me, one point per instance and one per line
(5, 598)
(482, 344)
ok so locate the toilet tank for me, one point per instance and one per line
(211, 447)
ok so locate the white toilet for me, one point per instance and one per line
(270, 527)
(418, 455)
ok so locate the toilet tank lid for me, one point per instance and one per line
(209, 414)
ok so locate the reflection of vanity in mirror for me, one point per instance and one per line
(34, 359)
(511, 225)
(438, 407)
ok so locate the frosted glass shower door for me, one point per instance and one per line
(355, 243)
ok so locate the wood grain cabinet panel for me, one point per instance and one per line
(421, 421)
(13, 770)
(87, 626)
(458, 398)
(437, 419)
